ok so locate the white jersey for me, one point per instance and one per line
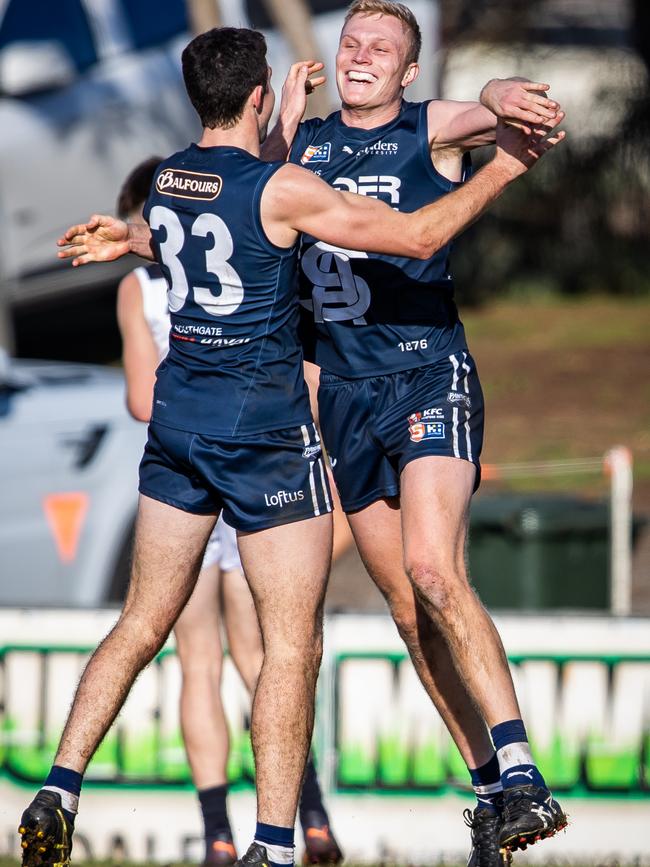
(222, 544)
(154, 303)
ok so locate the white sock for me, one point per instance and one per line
(69, 801)
(278, 854)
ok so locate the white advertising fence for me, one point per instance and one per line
(583, 683)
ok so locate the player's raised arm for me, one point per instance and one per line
(295, 201)
(471, 124)
(103, 239)
(296, 89)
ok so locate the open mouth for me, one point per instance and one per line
(356, 77)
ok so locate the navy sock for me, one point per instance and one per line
(278, 842)
(214, 812)
(515, 759)
(486, 782)
(311, 798)
(66, 783)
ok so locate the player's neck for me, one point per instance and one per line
(244, 135)
(369, 118)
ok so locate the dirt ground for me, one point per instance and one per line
(565, 380)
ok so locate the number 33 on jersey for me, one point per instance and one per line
(234, 364)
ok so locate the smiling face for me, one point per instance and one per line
(372, 65)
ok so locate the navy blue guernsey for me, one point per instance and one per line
(235, 362)
(370, 314)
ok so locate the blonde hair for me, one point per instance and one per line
(396, 10)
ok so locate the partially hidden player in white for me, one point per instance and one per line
(400, 403)
(221, 599)
(231, 426)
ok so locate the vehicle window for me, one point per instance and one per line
(152, 22)
(64, 21)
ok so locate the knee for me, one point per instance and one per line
(440, 588)
(300, 652)
(142, 635)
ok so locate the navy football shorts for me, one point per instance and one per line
(258, 480)
(373, 427)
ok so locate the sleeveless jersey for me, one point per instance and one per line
(370, 314)
(154, 304)
(235, 362)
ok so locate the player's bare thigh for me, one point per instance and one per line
(428, 521)
(377, 531)
(435, 495)
(168, 551)
(287, 569)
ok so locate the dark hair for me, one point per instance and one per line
(221, 69)
(135, 189)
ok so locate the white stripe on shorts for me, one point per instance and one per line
(312, 483)
(454, 387)
(322, 478)
(322, 473)
(468, 440)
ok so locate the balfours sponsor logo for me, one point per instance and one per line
(189, 185)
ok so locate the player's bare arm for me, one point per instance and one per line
(139, 352)
(472, 124)
(103, 239)
(299, 84)
(295, 200)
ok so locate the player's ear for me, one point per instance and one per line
(258, 98)
(412, 72)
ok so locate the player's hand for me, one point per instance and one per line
(522, 103)
(101, 239)
(297, 87)
(517, 152)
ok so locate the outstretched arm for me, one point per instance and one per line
(295, 201)
(104, 239)
(471, 124)
(295, 91)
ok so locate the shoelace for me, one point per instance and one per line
(516, 806)
(484, 826)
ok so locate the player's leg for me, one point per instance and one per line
(378, 535)
(203, 721)
(245, 646)
(368, 482)
(435, 498)
(169, 545)
(286, 567)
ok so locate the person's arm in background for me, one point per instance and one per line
(139, 352)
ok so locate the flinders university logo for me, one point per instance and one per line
(317, 153)
(189, 185)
